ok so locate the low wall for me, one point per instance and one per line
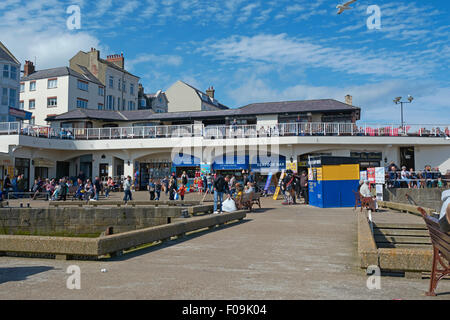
(66, 248)
(87, 221)
(426, 197)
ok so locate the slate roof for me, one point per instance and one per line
(5, 54)
(114, 66)
(61, 72)
(326, 105)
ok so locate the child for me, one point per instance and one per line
(200, 186)
(182, 191)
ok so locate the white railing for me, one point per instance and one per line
(227, 131)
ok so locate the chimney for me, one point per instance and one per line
(210, 92)
(349, 99)
(28, 68)
(117, 59)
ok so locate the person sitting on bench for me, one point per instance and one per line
(444, 217)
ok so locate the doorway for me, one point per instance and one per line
(407, 157)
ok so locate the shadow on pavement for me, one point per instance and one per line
(168, 244)
(20, 273)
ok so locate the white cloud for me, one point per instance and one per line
(376, 99)
(288, 51)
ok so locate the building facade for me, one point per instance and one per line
(157, 102)
(121, 87)
(9, 85)
(56, 91)
(265, 137)
(184, 97)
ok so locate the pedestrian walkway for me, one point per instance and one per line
(279, 252)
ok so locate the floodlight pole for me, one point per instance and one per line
(401, 106)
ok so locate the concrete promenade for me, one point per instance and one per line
(279, 252)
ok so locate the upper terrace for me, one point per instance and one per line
(309, 129)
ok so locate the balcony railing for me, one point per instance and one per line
(227, 131)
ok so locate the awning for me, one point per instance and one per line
(231, 163)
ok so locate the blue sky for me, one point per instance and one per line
(256, 51)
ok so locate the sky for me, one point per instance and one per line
(257, 51)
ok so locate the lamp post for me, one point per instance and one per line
(398, 101)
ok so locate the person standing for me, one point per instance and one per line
(165, 183)
(158, 189)
(172, 189)
(304, 187)
(219, 189)
(97, 188)
(184, 178)
(64, 189)
(127, 189)
(21, 185)
(7, 185)
(151, 189)
(209, 182)
(232, 185)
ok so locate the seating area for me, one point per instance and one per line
(441, 252)
(247, 200)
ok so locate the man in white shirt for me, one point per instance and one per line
(444, 218)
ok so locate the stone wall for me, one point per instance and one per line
(427, 197)
(82, 221)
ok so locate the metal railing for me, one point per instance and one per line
(227, 131)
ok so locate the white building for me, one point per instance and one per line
(183, 97)
(9, 82)
(56, 91)
(121, 86)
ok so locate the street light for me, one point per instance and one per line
(398, 100)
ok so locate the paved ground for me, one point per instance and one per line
(295, 252)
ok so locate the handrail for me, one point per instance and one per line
(227, 131)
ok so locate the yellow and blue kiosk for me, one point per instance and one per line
(331, 181)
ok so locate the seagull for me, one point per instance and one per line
(345, 6)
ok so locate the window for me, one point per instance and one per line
(132, 89)
(33, 121)
(124, 86)
(82, 103)
(21, 105)
(33, 86)
(13, 72)
(143, 103)
(12, 97)
(52, 83)
(101, 106)
(31, 104)
(118, 102)
(110, 103)
(119, 87)
(101, 91)
(22, 87)
(5, 71)
(131, 105)
(124, 104)
(83, 85)
(52, 102)
(4, 96)
(111, 82)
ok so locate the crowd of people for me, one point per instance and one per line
(403, 178)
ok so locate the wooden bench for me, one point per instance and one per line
(441, 251)
(247, 200)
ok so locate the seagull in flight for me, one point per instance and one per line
(345, 6)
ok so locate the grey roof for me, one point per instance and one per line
(61, 72)
(297, 106)
(5, 54)
(249, 110)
